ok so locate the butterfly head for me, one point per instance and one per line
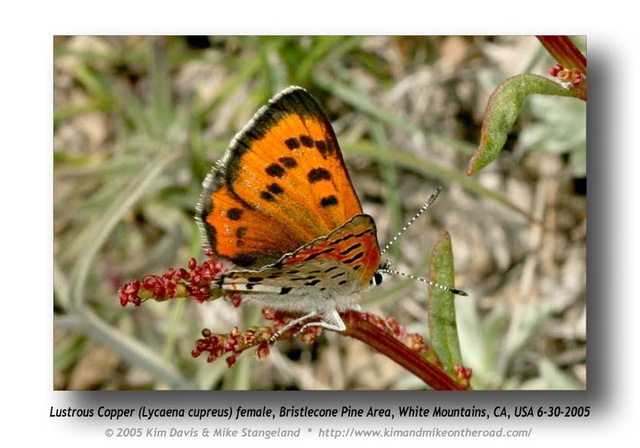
(381, 274)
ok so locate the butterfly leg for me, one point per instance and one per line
(291, 324)
(330, 321)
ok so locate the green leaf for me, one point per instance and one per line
(502, 111)
(443, 329)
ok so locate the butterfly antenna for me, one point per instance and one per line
(386, 269)
(458, 292)
(412, 220)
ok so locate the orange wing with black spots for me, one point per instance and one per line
(281, 184)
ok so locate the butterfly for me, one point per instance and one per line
(280, 210)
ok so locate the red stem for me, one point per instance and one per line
(386, 344)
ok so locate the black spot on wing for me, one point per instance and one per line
(275, 170)
(350, 249)
(306, 141)
(313, 282)
(355, 258)
(321, 146)
(241, 232)
(319, 253)
(275, 188)
(288, 162)
(292, 143)
(328, 201)
(234, 214)
(267, 196)
(318, 174)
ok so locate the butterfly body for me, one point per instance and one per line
(280, 210)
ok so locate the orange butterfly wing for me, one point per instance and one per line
(281, 184)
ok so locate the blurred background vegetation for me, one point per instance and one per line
(139, 121)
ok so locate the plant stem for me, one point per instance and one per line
(386, 344)
(565, 52)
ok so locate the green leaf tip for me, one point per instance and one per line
(502, 111)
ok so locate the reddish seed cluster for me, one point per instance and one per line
(193, 283)
(236, 342)
(553, 71)
(573, 75)
(464, 374)
(390, 325)
(233, 344)
(129, 293)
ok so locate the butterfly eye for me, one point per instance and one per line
(376, 279)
